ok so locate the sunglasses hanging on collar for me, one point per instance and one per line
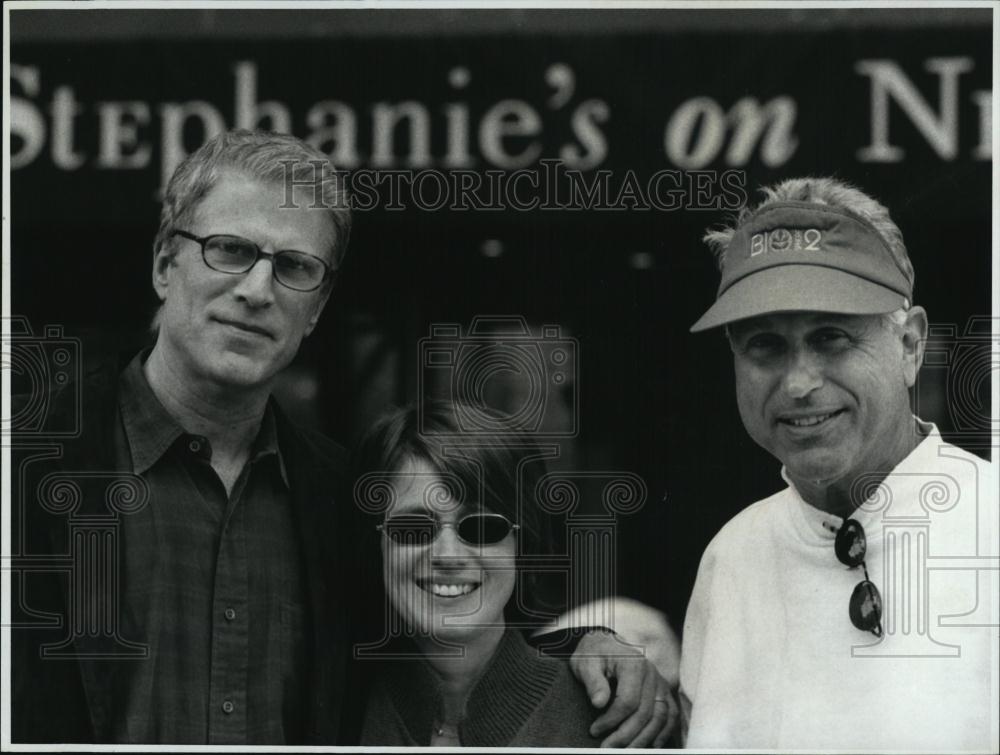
(865, 606)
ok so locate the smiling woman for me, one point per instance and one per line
(448, 563)
(452, 519)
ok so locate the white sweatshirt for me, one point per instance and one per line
(771, 660)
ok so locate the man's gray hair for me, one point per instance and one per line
(826, 191)
(267, 157)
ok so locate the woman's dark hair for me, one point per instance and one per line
(497, 469)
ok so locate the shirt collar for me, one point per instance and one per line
(901, 488)
(151, 430)
(266, 442)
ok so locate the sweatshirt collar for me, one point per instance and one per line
(902, 487)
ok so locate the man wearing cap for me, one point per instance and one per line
(856, 608)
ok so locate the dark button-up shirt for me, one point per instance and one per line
(212, 583)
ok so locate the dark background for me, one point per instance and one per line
(653, 399)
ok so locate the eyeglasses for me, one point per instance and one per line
(236, 255)
(423, 529)
(865, 607)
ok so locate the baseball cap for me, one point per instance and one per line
(802, 256)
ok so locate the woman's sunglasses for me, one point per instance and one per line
(422, 529)
(865, 607)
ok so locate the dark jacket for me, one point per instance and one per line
(68, 499)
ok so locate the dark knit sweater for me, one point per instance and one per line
(522, 699)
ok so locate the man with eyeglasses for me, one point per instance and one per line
(817, 619)
(233, 601)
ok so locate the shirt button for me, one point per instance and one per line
(228, 707)
(230, 614)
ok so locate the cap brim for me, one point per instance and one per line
(799, 288)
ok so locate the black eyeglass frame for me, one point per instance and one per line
(202, 241)
(439, 525)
